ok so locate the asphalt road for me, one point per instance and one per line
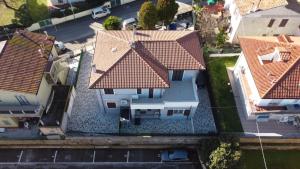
(85, 27)
(91, 158)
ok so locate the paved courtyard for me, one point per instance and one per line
(201, 123)
(86, 116)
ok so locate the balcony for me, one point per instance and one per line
(20, 110)
(180, 94)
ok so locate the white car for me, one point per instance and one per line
(128, 23)
(100, 12)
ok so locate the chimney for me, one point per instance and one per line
(45, 32)
(94, 68)
(132, 42)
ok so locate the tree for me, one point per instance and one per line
(166, 10)
(226, 156)
(112, 23)
(221, 38)
(148, 15)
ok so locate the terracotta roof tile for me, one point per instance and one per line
(21, 64)
(273, 79)
(122, 62)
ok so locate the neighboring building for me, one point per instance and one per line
(263, 18)
(28, 69)
(147, 74)
(268, 73)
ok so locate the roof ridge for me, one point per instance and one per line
(152, 59)
(186, 49)
(111, 67)
(281, 77)
(113, 36)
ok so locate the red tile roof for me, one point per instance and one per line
(143, 63)
(21, 63)
(274, 79)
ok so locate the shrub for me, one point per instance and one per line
(166, 10)
(148, 15)
(112, 23)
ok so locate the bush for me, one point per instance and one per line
(148, 15)
(166, 10)
(206, 147)
(226, 156)
(112, 23)
(221, 38)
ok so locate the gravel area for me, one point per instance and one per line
(202, 122)
(203, 119)
(86, 115)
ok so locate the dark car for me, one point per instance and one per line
(174, 155)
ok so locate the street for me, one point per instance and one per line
(91, 158)
(87, 27)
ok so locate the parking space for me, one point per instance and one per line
(74, 155)
(111, 155)
(149, 155)
(8, 155)
(105, 156)
(37, 155)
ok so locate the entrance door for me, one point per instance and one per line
(150, 93)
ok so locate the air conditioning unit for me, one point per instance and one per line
(135, 97)
(124, 102)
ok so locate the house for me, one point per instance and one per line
(262, 18)
(268, 74)
(147, 74)
(29, 67)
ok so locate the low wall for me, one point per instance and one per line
(109, 141)
(224, 55)
(56, 21)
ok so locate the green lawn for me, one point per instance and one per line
(226, 114)
(252, 159)
(38, 10)
(7, 15)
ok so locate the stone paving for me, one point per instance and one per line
(86, 115)
(201, 123)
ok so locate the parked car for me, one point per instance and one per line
(100, 12)
(129, 23)
(174, 155)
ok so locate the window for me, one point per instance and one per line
(150, 93)
(22, 100)
(187, 112)
(109, 91)
(111, 105)
(139, 91)
(170, 113)
(178, 111)
(177, 75)
(283, 22)
(60, 1)
(271, 23)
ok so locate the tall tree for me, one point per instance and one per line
(112, 23)
(166, 10)
(148, 15)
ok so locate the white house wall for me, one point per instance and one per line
(256, 23)
(44, 92)
(8, 98)
(187, 75)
